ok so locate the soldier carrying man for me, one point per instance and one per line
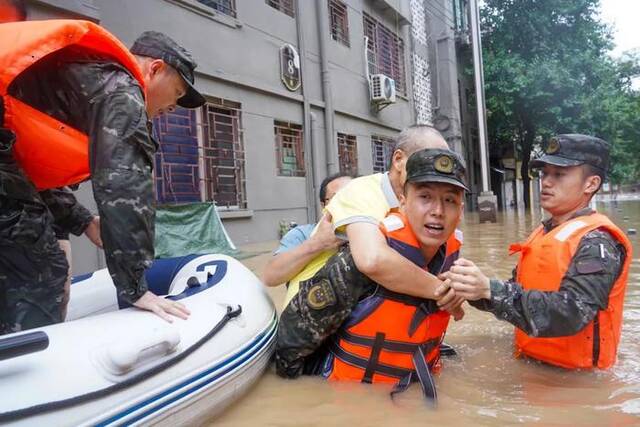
(370, 333)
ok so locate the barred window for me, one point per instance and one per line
(348, 154)
(381, 150)
(176, 172)
(460, 15)
(385, 51)
(285, 6)
(223, 157)
(289, 149)
(228, 7)
(338, 19)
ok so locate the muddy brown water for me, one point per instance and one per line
(484, 384)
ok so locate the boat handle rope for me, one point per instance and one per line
(50, 406)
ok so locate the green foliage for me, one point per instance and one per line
(548, 70)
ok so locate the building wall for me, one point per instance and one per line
(452, 86)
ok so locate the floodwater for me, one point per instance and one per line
(484, 384)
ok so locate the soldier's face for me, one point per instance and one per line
(164, 87)
(433, 210)
(565, 189)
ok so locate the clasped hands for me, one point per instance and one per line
(463, 281)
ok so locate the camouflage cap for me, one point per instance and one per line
(573, 150)
(160, 46)
(437, 165)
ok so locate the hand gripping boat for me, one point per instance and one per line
(111, 367)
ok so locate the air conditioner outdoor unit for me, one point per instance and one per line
(383, 89)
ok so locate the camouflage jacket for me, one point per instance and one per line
(100, 98)
(69, 215)
(577, 301)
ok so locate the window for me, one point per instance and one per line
(284, 6)
(176, 172)
(339, 22)
(192, 169)
(381, 150)
(347, 154)
(289, 149)
(223, 157)
(385, 51)
(460, 15)
(228, 7)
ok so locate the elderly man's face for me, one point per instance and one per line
(164, 87)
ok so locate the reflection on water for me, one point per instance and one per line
(484, 384)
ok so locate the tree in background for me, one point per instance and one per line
(548, 71)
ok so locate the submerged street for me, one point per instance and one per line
(484, 384)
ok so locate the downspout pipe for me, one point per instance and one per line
(307, 124)
(329, 137)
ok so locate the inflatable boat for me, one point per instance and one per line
(110, 366)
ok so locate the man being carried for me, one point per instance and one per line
(383, 336)
(567, 294)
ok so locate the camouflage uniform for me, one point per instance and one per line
(317, 311)
(70, 216)
(584, 290)
(595, 267)
(100, 98)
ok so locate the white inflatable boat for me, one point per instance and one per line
(106, 366)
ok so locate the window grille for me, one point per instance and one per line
(176, 171)
(385, 52)
(223, 154)
(285, 6)
(381, 150)
(228, 7)
(289, 149)
(348, 154)
(338, 19)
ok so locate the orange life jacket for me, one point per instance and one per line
(544, 260)
(52, 153)
(389, 337)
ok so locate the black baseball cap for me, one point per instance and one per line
(574, 150)
(437, 165)
(160, 46)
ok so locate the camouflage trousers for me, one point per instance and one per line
(319, 308)
(33, 268)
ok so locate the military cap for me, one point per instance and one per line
(573, 150)
(437, 165)
(160, 46)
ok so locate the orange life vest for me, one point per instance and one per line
(52, 153)
(544, 260)
(391, 337)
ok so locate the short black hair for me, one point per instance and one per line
(327, 181)
(19, 6)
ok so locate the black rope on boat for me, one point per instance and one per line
(50, 406)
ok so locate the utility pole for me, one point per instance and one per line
(487, 201)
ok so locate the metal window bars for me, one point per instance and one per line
(339, 22)
(289, 149)
(287, 7)
(348, 154)
(227, 7)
